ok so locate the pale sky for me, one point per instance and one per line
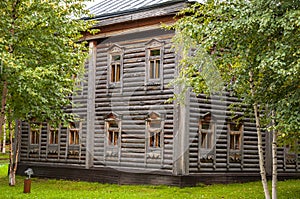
(91, 3)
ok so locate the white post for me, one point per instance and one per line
(91, 104)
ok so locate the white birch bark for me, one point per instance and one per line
(14, 155)
(259, 143)
(4, 138)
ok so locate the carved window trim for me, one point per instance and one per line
(290, 155)
(154, 143)
(115, 66)
(35, 134)
(74, 133)
(235, 136)
(206, 133)
(53, 141)
(113, 133)
(206, 148)
(154, 63)
(113, 130)
(235, 129)
(53, 137)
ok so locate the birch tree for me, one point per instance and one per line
(254, 45)
(39, 55)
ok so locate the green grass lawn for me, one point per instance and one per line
(45, 188)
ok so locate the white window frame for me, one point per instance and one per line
(37, 130)
(115, 50)
(76, 129)
(154, 45)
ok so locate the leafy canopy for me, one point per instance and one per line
(231, 38)
(40, 55)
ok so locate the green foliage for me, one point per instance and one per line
(45, 188)
(236, 37)
(4, 158)
(40, 55)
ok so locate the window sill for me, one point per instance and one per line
(154, 155)
(153, 83)
(114, 85)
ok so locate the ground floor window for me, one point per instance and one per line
(35, 133)
(154, 130)
(74, 131)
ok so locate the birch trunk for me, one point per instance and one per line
(274, 156)
(14, 155)
(4, 138)
(259, 142)
(3, 106)
(11, 177)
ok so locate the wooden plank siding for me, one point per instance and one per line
(134, 101)
(62, 150)
(116, 113)
(288, 161)
(218, 106)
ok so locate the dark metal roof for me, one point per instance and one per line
(110, 8)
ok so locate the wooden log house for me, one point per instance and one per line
(127, 134)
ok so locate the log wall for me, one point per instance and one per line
(133, 99)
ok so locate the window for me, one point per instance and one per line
(290, 154)
(154, 63)
(206, 134)
(53, 135)
(113, 132)
(235, 136)
(74, 129)
(35, 135)
(206, 140)
(115, 68)
(115, 64)
(154, 129)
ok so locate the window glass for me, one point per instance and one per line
(154, 69)
(115, 72)
(154, 140)
(74, 133)
(154, 131)
(53, 136)
(113, 132)
(116, 57)
(235, 136)
(206, 134)
(155, 52)
(35, 136)
(235, 141)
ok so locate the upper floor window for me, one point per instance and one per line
(35, 132)
(74, 130)
(113, 130)
(115, 66)
(154, 62)
(154, 131)
(235, 136)
(206, 132)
